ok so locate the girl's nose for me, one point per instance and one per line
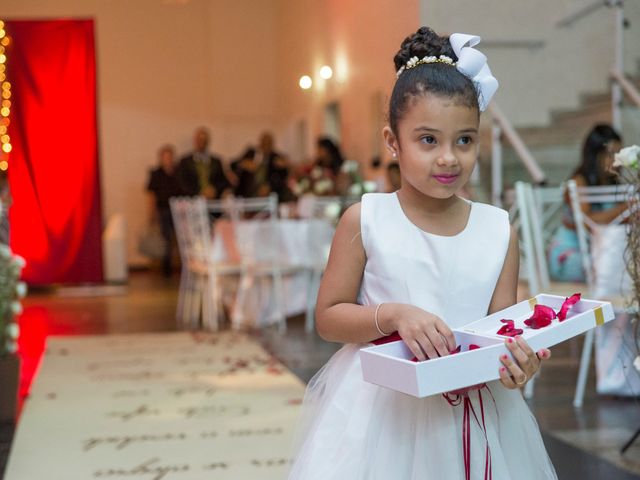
(447, 158)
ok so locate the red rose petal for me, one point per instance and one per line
(567, 304)
(473, 346)
(508, 329)
(542, 317)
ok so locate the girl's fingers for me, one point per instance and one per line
(544, 354)
(519, 377)
(448, 335)
(506, 379)
(414, 346)
(427, 345)
(437, 343)
(527, 364)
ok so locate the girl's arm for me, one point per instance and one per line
(514, 374)
(340, 319)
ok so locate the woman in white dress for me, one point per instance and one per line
(419, 262)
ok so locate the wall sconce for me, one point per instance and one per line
(326, 72)
(305, 82)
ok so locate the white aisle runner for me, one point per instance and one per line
(171, 406)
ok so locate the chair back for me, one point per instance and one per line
(325, 208)
(594, 195)
(178, 207)
(253, 225)
(536, 215)
(198, 230)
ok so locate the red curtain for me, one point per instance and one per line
(55, 218)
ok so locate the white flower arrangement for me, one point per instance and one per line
(11, 291)
(626, 165)
(628, 157)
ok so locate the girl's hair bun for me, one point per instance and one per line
(425, 42)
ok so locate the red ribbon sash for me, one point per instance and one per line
(462, 396)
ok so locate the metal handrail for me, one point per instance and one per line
(628, 87)
(502, 126)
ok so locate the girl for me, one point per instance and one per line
(418, 262)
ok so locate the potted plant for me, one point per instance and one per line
(11, 291)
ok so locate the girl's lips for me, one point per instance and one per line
(446, 179)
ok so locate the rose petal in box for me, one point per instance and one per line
(390, 365)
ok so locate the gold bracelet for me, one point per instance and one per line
(375, 319)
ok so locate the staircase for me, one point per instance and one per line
(557, 146)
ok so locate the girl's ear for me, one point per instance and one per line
(391, 142)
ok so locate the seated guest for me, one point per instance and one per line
(393, 176)
(245, 169)
(200, 172)
(329, 155)
(272, 171)
(565, 261)
(162, 185)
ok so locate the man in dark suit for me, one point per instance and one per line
(272, 171)
(200, 172)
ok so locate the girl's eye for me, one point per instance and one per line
(428, 139)
(465, 140)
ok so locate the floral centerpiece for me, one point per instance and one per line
(357, 186)
(11, 291)
(315, 180)
(627, 166)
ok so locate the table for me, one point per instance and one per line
(300, 246)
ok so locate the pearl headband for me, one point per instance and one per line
(471, 63)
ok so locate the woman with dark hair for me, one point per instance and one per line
(602, 142)
(245, 168)
(329, 155)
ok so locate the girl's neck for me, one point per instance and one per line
(425, 205)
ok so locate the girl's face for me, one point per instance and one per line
(436, 145)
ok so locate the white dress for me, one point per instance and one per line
(355, 430)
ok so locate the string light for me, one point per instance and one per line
(5, 94)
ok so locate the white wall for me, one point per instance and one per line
(164, 68)
(358, 40)
(574, 60)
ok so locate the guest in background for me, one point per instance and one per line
(272, 171)
(162, 185)
(245, 169)
(393, 177)
(200, 172)
(329, 155)
(377, 174)
(565, 261)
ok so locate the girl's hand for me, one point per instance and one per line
(423, 332)
(516, 374)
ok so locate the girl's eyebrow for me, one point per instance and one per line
(423, 128)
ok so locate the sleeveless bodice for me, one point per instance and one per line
(452, 277)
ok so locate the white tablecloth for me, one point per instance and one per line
(296, 243)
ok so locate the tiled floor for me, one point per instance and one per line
(583, 443)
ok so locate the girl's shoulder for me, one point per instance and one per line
(488, 217)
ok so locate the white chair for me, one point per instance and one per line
(538, 213)
(593, 195)
(200, 289)
(258, 244)
(327, 210)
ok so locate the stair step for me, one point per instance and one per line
(585, 116)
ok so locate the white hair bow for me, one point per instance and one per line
(473, 64)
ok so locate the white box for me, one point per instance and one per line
(390, 365)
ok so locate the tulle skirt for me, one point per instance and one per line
(355, 430)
